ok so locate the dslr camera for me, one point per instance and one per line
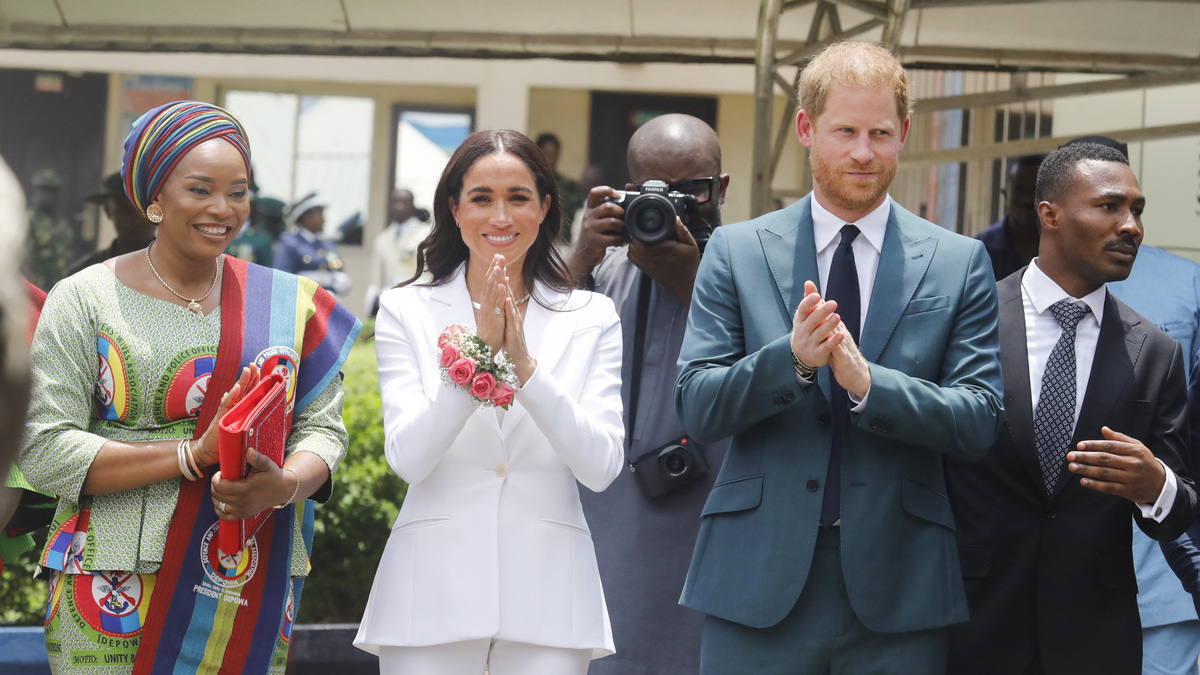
(669, 467)
(650, 214)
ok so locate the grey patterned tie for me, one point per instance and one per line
(1054, 419)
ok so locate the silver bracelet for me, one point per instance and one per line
(184, 469)
(192, 461)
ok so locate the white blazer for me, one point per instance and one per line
(491, 541)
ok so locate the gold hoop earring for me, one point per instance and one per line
(154, 213)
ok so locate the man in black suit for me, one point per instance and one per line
(1043, 519)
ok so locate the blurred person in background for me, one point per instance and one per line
(307, 252)
(1012, 241)
(253, 243)
(22, 510)
(592, 176)
(394, 255)
(568, 190)
(270, 217)
(50, 242)
(14, 332)
(134, 232)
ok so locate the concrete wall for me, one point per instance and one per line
(530, 96)
(546, 95)
(1168, 170)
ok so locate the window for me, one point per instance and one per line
(303, 144)
(425, 139)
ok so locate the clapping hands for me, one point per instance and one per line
(819, 337)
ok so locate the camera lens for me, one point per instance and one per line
(675, 464)
(650, 219)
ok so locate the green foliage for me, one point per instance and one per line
(22, 598)
(352, 529)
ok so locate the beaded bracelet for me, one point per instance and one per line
(295, 491)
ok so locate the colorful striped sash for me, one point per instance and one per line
(219, 614)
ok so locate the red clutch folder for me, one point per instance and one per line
(257, 421)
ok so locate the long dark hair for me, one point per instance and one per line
(443, 251)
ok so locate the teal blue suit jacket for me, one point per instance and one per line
(930, 336)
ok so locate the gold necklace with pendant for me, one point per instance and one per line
(192, 303)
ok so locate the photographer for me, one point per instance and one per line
(644, 526)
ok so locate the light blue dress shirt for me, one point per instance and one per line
(1164, 288)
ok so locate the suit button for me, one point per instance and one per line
(824, 419)
(501, 470)
(779, 399)
(812, 485)
(788, 397)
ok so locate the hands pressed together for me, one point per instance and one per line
(820, 338)
(500, 321)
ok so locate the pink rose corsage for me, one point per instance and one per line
(466, 361)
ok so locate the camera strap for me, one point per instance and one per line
(639, 353)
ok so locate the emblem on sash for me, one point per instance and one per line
(282, 360)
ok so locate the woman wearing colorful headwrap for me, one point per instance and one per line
(133, 360)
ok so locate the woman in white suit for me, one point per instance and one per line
(490, 563)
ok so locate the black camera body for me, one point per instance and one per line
(650, 214)
(668, 467)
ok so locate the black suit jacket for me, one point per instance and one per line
(1052, 578)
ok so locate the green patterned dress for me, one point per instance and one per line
(112, 364)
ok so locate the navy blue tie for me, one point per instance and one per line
(843, 288)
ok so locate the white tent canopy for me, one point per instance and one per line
(1102, 35)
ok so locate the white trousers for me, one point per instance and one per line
(497, 657)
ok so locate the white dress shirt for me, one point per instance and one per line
(867, 246)
(1042, 330)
